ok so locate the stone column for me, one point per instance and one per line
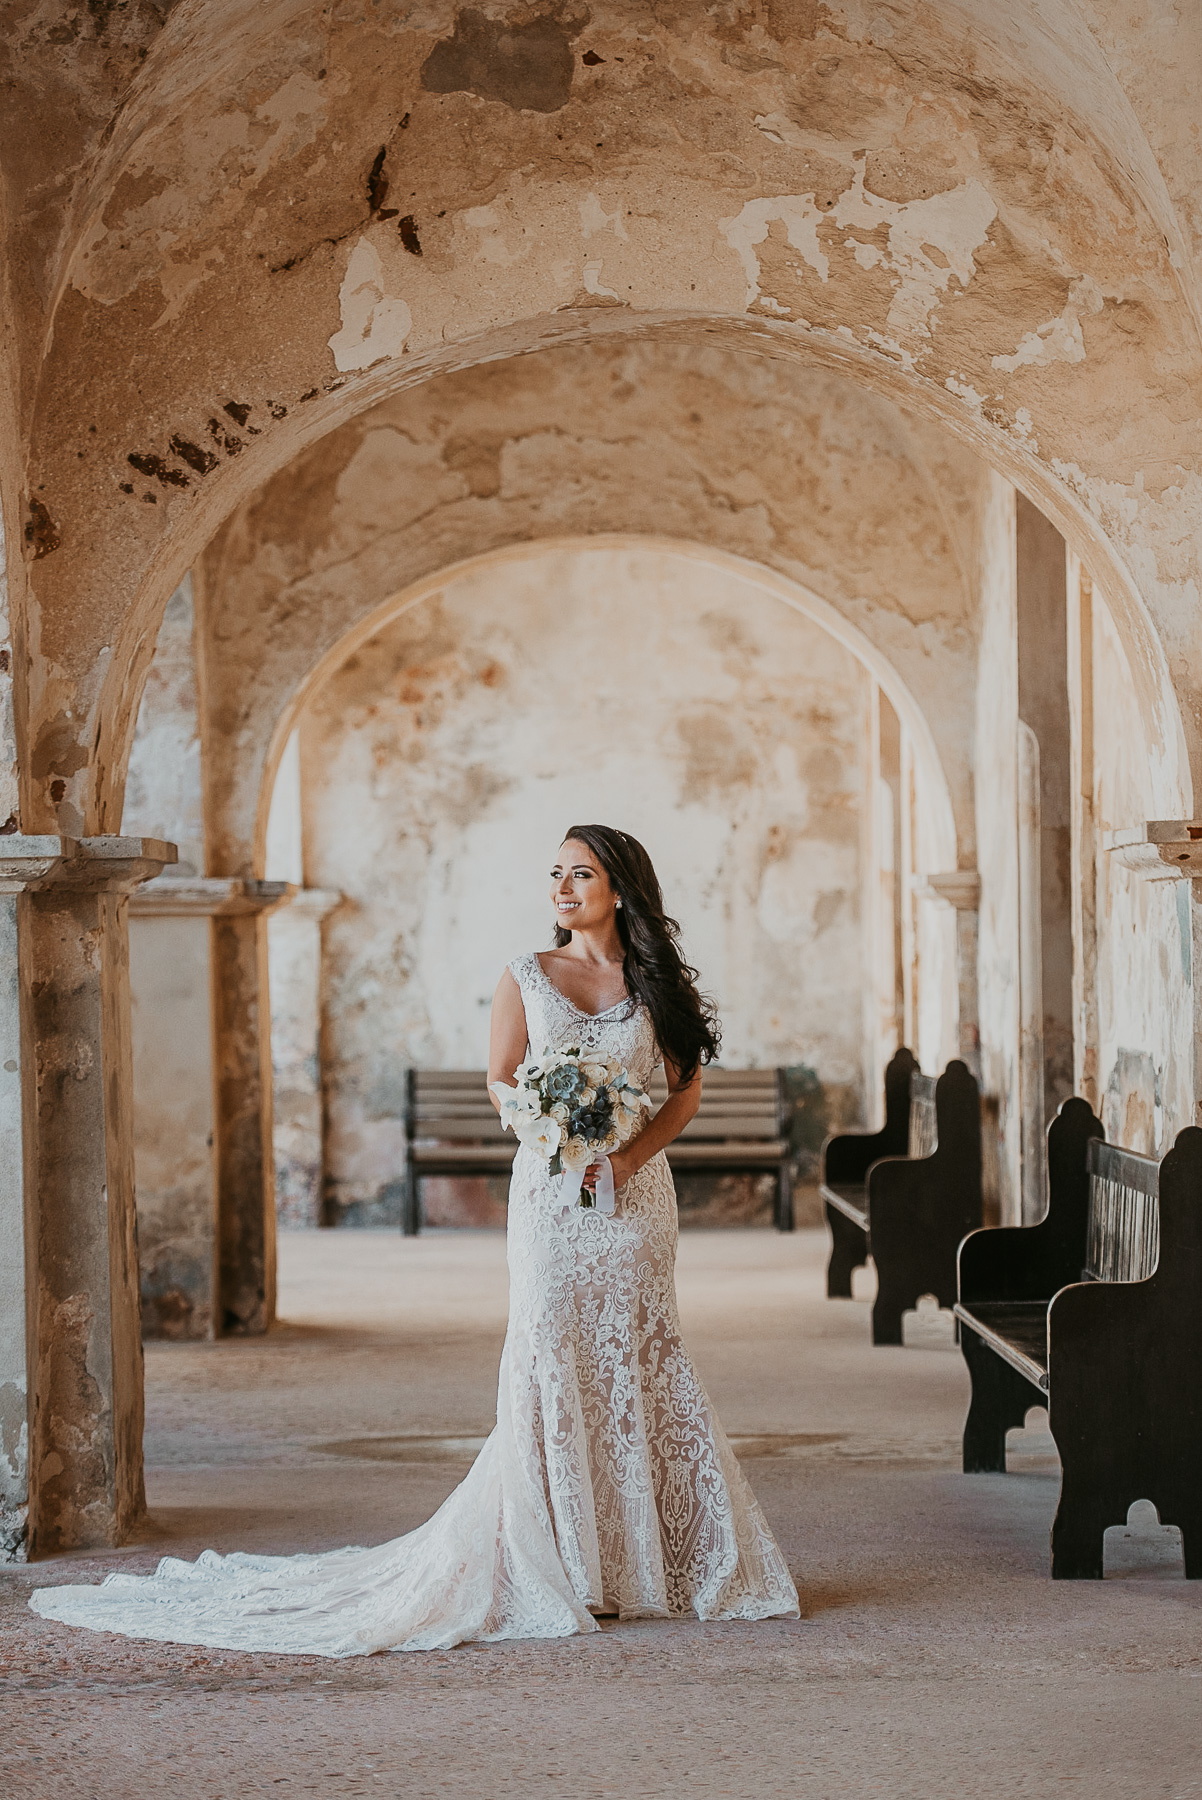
(70, 1347)
(245, 1155)
(175, 1102)
(961, 889)
(294, 949)
(1044, 706)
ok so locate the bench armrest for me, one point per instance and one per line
(1009, 1262)
(1033, 1262)
(847, 1159)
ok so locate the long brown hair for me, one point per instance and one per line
(686, 1022)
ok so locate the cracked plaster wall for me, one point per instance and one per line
(809, 476)
(256, 221)
(442, 762)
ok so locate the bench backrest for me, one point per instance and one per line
(450, 1104)
(745, 1104)
(1123, 1235)
(924, 1129)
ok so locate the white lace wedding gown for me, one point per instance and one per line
(607, 1484)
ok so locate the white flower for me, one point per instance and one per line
(517, 1104)
(541, 1134)
(559, 1111)
(596, 1072)
(634, 1099)
(576, 1155)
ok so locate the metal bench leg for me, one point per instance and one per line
(1000, 1398)
(784, 1198)
(411, 1221)
(849, 1251)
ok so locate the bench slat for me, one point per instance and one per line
(851, 1200)
(1123, 1235)
(732, 1156)
(464, 1156)
(1017, 1330)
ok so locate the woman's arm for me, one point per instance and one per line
(507, 1038)
(684, 1097)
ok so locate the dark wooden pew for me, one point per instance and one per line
(1096, 1313)
(908, 1212)
(846, 1160)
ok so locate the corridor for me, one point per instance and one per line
(934, 1657)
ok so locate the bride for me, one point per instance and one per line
(608, 1485)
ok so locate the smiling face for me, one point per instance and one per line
(581, 892)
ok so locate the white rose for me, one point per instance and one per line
(576, 1155)
(596, 1072)
(559, 1111)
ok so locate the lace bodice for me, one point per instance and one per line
(607, 1484)
(554, 1022)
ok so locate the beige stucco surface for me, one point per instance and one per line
(443, 761)
(870, 511)
(229, 230)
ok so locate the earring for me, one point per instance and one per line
(617, 904)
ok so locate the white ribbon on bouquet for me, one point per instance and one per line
(570, 1184)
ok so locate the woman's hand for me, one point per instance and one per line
(621, 1173)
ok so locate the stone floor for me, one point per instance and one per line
(935, 1657)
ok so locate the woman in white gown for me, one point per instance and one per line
(608, 1485)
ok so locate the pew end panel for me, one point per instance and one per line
(846, 1160)
(1125, 1381)
(921, 1208)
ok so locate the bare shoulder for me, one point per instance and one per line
(507, 990)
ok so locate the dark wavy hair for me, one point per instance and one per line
(686, 1022)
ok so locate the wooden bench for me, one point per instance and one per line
(740, 1127)
(451, 1128)
(907, 1211)
(1095, 1313)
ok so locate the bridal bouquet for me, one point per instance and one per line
(574, 1108)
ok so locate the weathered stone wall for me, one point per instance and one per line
(228, 235)
(1145, 1016)
(443, 761)
(871, 510)
(163, 794)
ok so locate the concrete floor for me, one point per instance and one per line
(935, 1656)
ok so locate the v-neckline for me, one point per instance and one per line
(603, 1014)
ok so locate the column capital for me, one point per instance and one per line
(960, 888)
(182, 896)
(1159, 849)
(94, 864)
(314, 903)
